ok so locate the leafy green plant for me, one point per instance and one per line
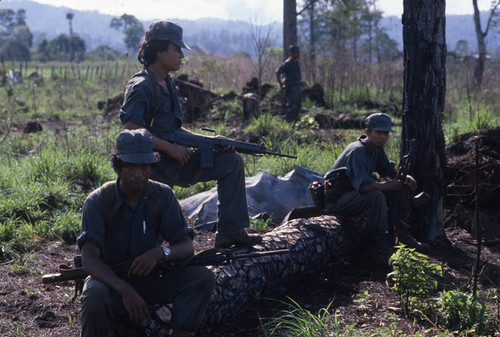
(461, 312)
(414, 276)
(363, 300)
(260, 224)
(307, 123)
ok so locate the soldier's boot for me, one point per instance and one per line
(382, 251)
(181, 333)
(408, 240)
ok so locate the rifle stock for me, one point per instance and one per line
(210, 257)
(207, 144)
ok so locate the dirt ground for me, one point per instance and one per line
(30, 308)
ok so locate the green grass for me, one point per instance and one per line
(45, 177)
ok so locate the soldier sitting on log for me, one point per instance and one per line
(121, 222)
(351, 188)
(151, 102)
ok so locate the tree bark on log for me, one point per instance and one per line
(313, 243)
(423, 106)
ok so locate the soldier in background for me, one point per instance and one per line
(289, 77)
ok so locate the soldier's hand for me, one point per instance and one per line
(227, 148)
(144, 263)
(411, 183)
(136, 307)
(396, 185)
(179, 153)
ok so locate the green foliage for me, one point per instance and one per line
(103, 53)
(414, 277)
(307, 122)
(483, 119)
(132, 29)
(266, 126)
(461, 312)
(260, 224)
(297, 321)
(363, 300)
(44, 185)
(62, 48)
(15, 50)
(24, 264)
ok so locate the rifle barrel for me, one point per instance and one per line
(220, 257)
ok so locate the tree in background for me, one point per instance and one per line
(63, 48)
(343, 34)
(462, 48)
(14, 50)
(481, 36)
(347, 28)
(289, 25)
(70, 16)
(423, 106)
(131, 28)
(15, 35)
(261, 44)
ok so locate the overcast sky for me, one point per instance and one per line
(261, 11)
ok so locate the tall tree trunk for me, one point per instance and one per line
(481, 46)
(423, 106)
(289, 25)
(312, 42)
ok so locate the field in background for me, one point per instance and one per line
(45, 176)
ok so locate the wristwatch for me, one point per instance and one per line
(166, 251)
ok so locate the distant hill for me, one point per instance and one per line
(458, 27)
(211, 35)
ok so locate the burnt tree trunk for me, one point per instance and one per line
(312, 42)
(313, 243)
(289, 25)
(423, 106)
(481, 46)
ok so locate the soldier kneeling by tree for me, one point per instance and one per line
(351, 188)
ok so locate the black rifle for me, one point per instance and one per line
(403, 170)
(211, 257)
(206, 145)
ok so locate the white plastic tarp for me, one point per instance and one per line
(275, 195)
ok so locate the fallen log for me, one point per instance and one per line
(313, 244)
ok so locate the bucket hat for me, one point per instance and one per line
(136, 147)
(379, 121)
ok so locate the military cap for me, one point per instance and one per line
(136, 147)
(379, 121)
(168, 31)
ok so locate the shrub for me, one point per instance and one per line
(460, 312)
(414, 276)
